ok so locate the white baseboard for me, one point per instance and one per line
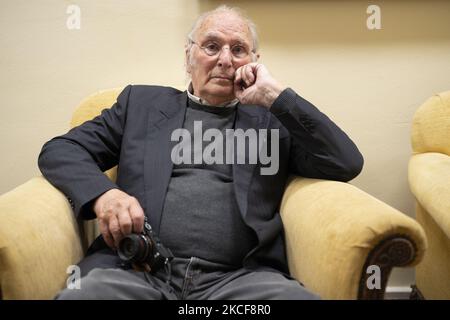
(397, 293)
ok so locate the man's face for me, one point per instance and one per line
(212, 76)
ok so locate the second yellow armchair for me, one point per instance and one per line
(429, 179)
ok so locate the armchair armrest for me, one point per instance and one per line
(334, 231)
(429, 179)
(39, 239)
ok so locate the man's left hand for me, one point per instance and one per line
(253, 84)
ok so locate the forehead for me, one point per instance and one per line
(225, 26)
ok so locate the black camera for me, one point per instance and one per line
(144, 250)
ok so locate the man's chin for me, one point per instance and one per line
(222, 90)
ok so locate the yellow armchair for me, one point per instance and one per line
(334, 232)
(429, 179)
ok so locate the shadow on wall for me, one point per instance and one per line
(293, 22)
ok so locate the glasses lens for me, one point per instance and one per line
(239, 51)
(211, 48)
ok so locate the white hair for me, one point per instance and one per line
(225, 9)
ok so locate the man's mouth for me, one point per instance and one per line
(224, 78)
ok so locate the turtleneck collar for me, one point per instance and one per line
(201, 101)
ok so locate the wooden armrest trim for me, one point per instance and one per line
(394, 251)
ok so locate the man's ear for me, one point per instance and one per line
(187, 59)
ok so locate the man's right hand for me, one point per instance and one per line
(118, 214)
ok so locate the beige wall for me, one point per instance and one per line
(369, 82)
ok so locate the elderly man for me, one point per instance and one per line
(220, 219)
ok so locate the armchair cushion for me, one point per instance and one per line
(39, 239)
(331, 228)
(431, 125)
(429, 179)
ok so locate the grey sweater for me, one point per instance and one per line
(200, 215)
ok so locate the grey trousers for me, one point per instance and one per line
(191, 279)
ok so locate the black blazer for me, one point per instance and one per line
(135, 135)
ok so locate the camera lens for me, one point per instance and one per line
(133, 248)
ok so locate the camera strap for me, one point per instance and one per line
(168, 268)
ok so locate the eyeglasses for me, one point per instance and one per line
(212, 48)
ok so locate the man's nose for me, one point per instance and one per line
(225, 57)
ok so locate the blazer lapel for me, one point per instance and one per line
(243, 173)
(163, 119)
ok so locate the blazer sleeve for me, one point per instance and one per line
(319, 148)
(74, 162)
